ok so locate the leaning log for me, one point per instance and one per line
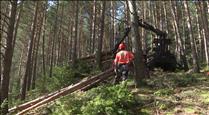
(70, 89)
(30, 103)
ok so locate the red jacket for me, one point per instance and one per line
(123, 57)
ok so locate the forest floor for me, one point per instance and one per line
(174, 94)
(164, 93)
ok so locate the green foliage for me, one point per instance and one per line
(108, 100)
(164, 92)
(4, 103)
(83, 67)
(61, 77)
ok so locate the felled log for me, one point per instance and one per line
(69, 89)
(30, 103)
(106, 56)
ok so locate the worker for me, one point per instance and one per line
(122, 62)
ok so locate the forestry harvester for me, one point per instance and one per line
(161, 57)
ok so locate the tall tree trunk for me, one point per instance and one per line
(91, 32)
(8, 60)
(137, 46)
(30, 71)
(150, 15)
(60, 38)
(143, 35)
(184, 35)
(41, 16)
(29, 56)
(153, 18)
(1, 27)
(48, 50)
(80, 36)
(20, 67)
(43, 44)
(54, 37)
(100, 39)
(206, 30)
(19, 13)
(43, 40)
(199, 32)
(71, 40)
(112, 23)
(165, 28)
(196, 67)
(70, 25)
(74, 56)
(93, 27)
(179, 41)
(128, 39)
(159, 15)
(17, 23)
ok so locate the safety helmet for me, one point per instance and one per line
(122, 46)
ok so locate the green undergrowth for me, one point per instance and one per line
(62, 76)
(102, 100)
(163, 93)
(161, 80)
